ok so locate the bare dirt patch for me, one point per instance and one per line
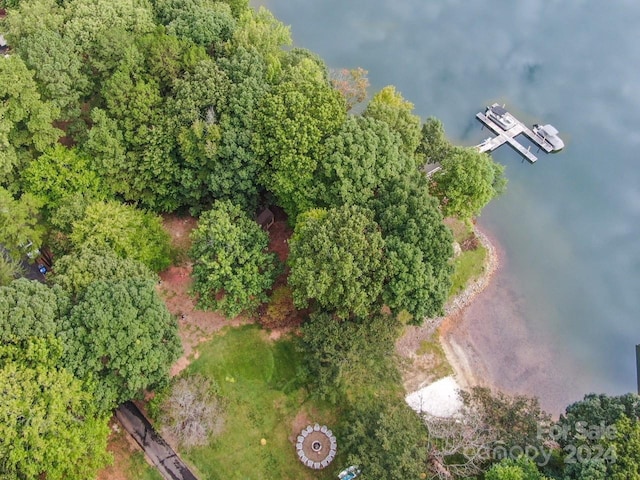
(121, 446)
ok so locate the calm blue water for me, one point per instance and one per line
(569, 225)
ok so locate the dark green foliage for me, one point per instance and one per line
(76, 271)
(359, 159)
(48, 422)
(386, 440)
(467, 181)
(337, 261)
(30, 309)
(434, 146)
(129, 232)
(596, 408)
(350, 360)
(10, 269)
(232, 270)
(418, 246)
(121, 334)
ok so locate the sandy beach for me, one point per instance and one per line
(487, 342)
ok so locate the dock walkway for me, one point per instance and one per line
(509, 135)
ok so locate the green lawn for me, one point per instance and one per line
(467, 266)
(139, 469)
(257, 379)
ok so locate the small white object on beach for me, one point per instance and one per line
(440, 399)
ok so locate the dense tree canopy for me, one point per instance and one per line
(418, 245)
(129, 232)
(337, 261)
(232, 270)
(48, 422)
(30, 309)
(121, 335)
(76, 271)
(357, 160)
(467, 181)
(518, 469)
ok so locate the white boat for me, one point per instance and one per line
(500, 116)
(549, 133)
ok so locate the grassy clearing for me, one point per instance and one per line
(468, 266)
(441, 367)
(258, 379)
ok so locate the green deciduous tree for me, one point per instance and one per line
(467, 181)
(121, 334)
(352, 360)
(387, 441)
(76, 271)
(205, 22)
(434, 146)
(60, 173)
(19, 224)
(232, 270)
(25, 119)
(389, 106)
(129, 232)
(292, 122)
(49, 427)
(30, 309)
(418, 246)
(625, 465)
(519, 469)
(357, 160)
(337, 261)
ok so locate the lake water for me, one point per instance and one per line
(561, 318)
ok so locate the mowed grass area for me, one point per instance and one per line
(258, 380)
(469, 265)
(141, 470)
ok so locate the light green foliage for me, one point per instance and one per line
(237, 6)
(357, 160)
(30, 309)
(29, 17)
(350, 361)
(58, 69)
(389, 106)
(129, 232)
(121, 334)
(232, 270)
(386, 440)
(626, 448)
(260, 30)
(418, 246)
(10, 269)
(292, 122)
(25, 120)
(19, 224)
(520, 469)
(467, 182)
(60, 173)
(337, 261)
(205, 22)
(76, 271)
(48, 424)
(434, 146)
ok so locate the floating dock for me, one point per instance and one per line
(507, 128)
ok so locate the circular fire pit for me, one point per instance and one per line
(316, 446)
